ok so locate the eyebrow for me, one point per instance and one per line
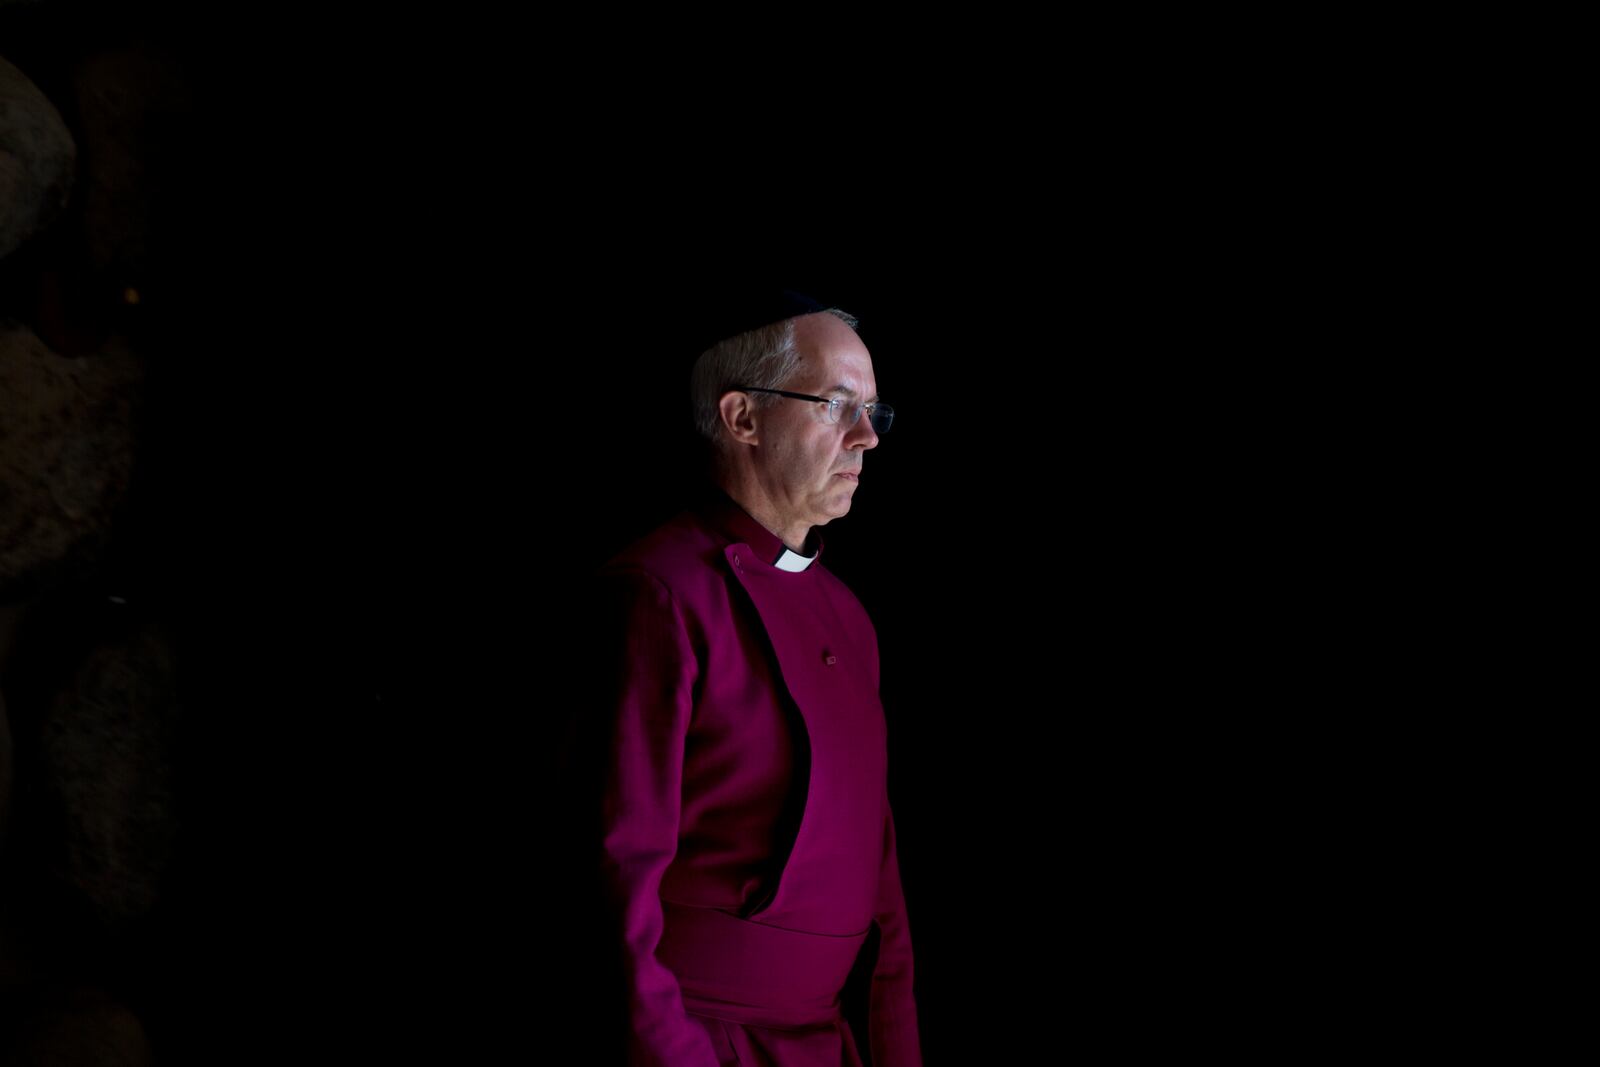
(851, 392)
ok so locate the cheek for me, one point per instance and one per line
(825, 463)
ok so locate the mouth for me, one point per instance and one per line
(850, 476)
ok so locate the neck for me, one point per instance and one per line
(747, 494)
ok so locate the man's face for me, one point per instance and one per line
(803, 454)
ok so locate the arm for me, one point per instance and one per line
(650, 708)
(892, 1010)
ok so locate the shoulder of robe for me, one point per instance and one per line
(683, 555)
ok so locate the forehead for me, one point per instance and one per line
(833, 358)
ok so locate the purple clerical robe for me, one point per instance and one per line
(748, 842)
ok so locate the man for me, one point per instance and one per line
(748, 846)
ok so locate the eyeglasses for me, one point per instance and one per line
(881, 415)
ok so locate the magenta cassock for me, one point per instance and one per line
(748, 841)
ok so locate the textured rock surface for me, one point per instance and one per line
(37, 156)
(67, 431)
(96, 199)
(106, 750)
(83, 1028)
(131, 105)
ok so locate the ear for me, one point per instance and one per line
(739, 418)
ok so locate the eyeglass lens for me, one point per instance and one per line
(882, 415)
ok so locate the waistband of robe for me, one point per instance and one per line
(747, 972)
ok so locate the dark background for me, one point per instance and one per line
(425, 333)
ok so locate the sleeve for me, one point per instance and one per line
(892, 1010)
(650, 704)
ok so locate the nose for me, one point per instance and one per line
(862, 435)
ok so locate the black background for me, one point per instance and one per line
(431, 365)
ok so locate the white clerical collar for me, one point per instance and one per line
(793, 561)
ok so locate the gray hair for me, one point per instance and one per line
(764, 358)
